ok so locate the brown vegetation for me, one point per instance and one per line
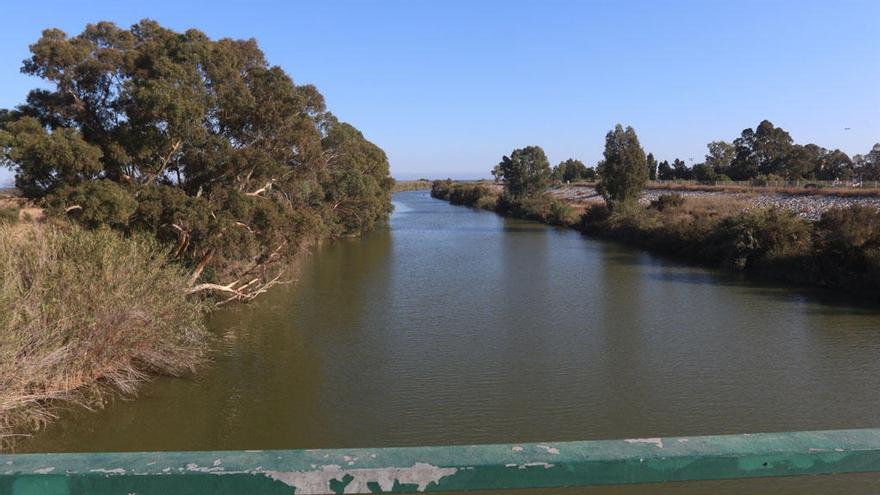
(83, 312)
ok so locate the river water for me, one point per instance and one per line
(454, 325)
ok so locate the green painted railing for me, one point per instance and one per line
(450, 468)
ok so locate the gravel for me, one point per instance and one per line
(810, 207)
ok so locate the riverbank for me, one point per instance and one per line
(84, 313)
(411, 185)
(834, 247)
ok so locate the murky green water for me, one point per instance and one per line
(458, 326)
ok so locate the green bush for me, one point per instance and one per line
(542, 208)
(760, 235)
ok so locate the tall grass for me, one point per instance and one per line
(85, 312)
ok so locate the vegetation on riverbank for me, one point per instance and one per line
(192, 169)
(541, 207)
(83, 312)
(841, 250)
(411, 185)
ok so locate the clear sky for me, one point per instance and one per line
(448, 87)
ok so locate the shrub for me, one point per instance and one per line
(440, 189)
(84, 309)
(848, 248)
(542, 208)
(759, 235)
(667, 201)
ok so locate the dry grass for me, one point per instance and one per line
(85, 312)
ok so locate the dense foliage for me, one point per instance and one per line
(200, 142)
(769, 152)
(573, 170)
(623, 172)
(841, 250)
(525, 172)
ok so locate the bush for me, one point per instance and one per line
(542, 208)
(667, 201)
(759, 236)
(81, 310)
(848, 247)
(475, 195)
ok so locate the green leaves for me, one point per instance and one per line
(46, 159)
(200, 142)
(623, 171)
(526, 172)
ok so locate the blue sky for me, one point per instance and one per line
(448, 87)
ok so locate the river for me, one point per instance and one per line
(454, 325)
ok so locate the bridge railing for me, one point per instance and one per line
(447, 468)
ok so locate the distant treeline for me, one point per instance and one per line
(769, 153)
(841, 250)
(765, 154)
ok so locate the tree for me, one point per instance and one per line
(200, 142)
(664, 171)
(526, 172)
(681, 170)
(760, 151)
(703, 172)
(651, 163)
(833, 165)
(801, 161)
(570, 170)
(720, 156)
(623, 172)
(867, 167)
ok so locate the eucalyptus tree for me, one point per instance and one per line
(202, 142)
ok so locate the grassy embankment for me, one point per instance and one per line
(83, 312)
(840, 251)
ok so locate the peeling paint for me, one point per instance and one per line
(45, 470)
(314, 482)
(545, 465)
(108, 471)
(549, 449)
(517, 449)
(656, 441)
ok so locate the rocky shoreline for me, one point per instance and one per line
(810, 207)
